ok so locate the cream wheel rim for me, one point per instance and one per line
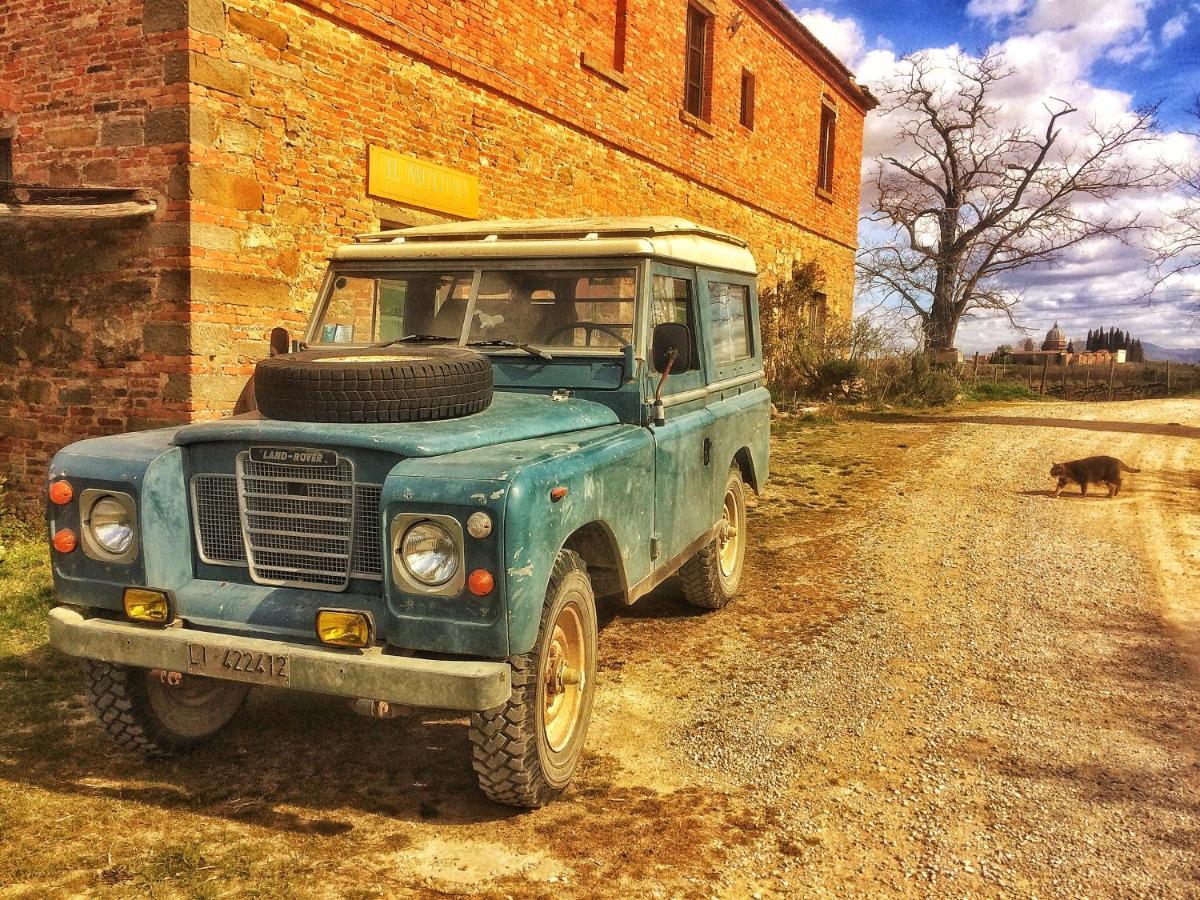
(730, 535)
(563, 679)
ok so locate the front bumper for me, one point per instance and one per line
(434, 683)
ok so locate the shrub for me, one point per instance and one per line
(1000, 390)
(910, 380)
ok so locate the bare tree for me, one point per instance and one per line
(970, 201)
(1177, 248)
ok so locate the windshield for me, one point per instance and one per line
(564, 308)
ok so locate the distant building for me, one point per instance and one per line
(1061, 352)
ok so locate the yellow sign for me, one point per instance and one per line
(415, 182)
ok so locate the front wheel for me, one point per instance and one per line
(525, 752)
(711, 577)
(143, 711)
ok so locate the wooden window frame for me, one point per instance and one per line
(697, 61)
(6, 157)
(746, 114)
(826, 148)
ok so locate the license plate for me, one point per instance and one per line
(234, 664)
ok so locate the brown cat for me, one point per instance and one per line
(1095, 469)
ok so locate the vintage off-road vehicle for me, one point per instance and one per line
(486, 427)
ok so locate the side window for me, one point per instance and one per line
(696, 62)
(672, 302)
(729, 313)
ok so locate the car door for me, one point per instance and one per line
(737, 401)
(682, 482)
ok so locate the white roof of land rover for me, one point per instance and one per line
(659, 236)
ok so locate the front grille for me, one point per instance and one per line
(302, 526)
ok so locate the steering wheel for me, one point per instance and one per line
(588, 328)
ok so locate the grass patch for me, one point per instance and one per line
(999, 390)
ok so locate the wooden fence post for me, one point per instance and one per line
(1045, 369)
(1112, 370)
(1087, 381)
(1168, 378)
(975, 374)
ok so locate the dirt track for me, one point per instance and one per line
(939, 680)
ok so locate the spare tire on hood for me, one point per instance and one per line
(374, 384)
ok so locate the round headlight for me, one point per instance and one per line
(430, 553)
(111, 525)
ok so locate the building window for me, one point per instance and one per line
(6, 164)
(747, 117)
(826, 149)
(816, 312)
(695, 84)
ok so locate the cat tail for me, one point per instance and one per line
(1128, 468)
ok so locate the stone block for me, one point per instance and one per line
(121, 132)
(227, 77)
(103, 172)
(214, 237)
(217, 388)
(34, 390)
(265, 31)
(178, 387)
(207, 16)
(222, 188)
(239, 137)
(15, 426)
(168, 125)
(168, 338)
(169, 234)
(78, 396)
(164, 15)
(73, 136)
(210, 286)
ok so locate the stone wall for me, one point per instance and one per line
(89, 309)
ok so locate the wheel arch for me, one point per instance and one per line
(599, 549)
(744, 460)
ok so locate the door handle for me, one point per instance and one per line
(707, 450)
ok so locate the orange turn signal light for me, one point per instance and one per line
(64, 540)
(481, 583)
(61, 491)
(557, 493)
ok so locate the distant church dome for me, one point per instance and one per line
(1055, 339)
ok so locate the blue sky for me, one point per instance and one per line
(1106, 55)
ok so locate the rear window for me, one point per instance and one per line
(729, 312)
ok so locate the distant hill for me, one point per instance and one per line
(1174, 354)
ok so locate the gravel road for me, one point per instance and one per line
(939, 681)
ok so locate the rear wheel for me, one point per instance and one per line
(525, 752)
(144, 711)
(711, 578)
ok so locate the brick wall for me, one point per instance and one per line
(250, 121)
(85, 101)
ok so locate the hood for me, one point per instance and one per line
(511, 417)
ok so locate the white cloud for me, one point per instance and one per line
(1053, 45)
(1174, 28)
(843, 36)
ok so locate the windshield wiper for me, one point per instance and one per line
(532, 351)
(415, 339)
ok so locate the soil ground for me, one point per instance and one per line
(939, 680)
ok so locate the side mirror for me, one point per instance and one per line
(279, 340)
(667, 337)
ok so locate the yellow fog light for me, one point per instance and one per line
(143, 605)
(344, 628)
